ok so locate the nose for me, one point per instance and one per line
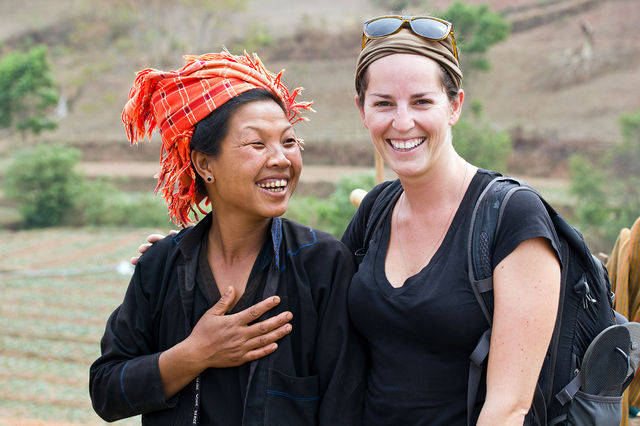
(277, 157)
(403, 120)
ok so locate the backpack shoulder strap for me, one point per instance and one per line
(485, 223)
(381, 205)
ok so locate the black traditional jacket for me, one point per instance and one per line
(315, 377)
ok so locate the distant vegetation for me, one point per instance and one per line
(608, 189)
(27, 91)
(478, 141)
(49, 192)
(330, 214)
(477, 29)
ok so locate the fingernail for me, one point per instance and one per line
(228, 292)
(276, 299)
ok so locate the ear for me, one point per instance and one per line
(203, 165)
(456, 108)
(361, 109)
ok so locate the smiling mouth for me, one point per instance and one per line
(406, 144)
(274, 185)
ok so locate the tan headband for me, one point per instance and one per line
(406, 41)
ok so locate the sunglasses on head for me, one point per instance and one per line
(428, 27)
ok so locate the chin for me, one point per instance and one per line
(277, 211)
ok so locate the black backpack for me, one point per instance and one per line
(585, 309)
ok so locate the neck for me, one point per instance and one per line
(441, 185)
(232, 238)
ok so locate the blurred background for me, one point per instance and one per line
(552, 96)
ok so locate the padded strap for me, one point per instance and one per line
(476, 363)
(539, 406)
(568, 392)
(383, 202)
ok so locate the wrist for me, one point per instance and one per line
(188, 354)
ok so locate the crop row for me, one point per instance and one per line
(51, 325)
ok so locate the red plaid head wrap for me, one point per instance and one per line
(175, 101)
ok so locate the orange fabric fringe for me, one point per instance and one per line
(174, 101)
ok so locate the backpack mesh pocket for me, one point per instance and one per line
(595, 410)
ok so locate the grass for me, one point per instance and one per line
(51, 325)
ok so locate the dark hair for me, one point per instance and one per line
(446, 81)
(211, 130)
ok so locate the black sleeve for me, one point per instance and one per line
(340, 355)
(125, 380)
(525, 217)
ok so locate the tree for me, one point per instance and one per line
(27, 91)
(21, 77)
(476, 29)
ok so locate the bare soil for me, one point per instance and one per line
(544, 87)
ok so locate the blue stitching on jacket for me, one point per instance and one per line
(122, 386)
(295, 398)
(315, 240)
(276, 236)
(177, 238)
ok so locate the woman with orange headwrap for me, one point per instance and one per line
(242, 318)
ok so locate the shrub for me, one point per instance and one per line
(479, 142)
(103, 204)
(44, 183)
(49, 192)
(332, 214)
(608, 191)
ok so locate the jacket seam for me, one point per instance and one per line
(124, 394)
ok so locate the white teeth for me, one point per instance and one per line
(274, 185)
(406, 144)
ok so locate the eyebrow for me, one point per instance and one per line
(416, 95)
(261, 129)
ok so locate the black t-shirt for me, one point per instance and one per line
(223, 389)
(420, 335)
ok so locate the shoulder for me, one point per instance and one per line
(302, 238)
(370, 199)
(525, 217)
(317, 255)
(157, 255)
(372, 204)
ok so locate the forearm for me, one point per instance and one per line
(521, 331)
(504, 410)
(178, 367)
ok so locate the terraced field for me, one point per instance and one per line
(57, 289)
